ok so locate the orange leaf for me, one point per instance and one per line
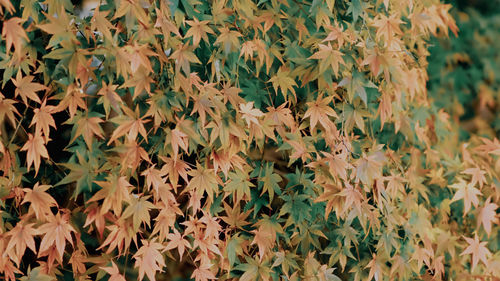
(26, 88)
(40, 200)
(56, 231)
(14, 34)
(21, 236)
(149, 259)
(319, 110)
(36, 149)
(114, 272)
(43, 119)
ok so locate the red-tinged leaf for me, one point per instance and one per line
(73, 98)
(328, 57)
(478, 250)
(41, 201)
(204, 180)
(88, 127)
(43, 119)
(120, 236)
(115, 191)
(56, 232)
(26, 88)
(109, 98)
(130, 125)
(35, 147)
(467, 192)
(20, 237)
(176, 240)
(7, 5)
(488, 215)
(149, 259)
(375, 269)
(477, 176)
(113, 272)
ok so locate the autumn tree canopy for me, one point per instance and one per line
(236, 140)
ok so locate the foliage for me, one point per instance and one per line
(467, 66)
(236, 139)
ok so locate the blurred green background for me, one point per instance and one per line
(464, 71)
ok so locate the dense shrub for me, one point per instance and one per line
(252, 140)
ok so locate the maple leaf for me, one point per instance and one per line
(247, 50)
(477, 176)
(467, 192)
(130, 125)
(250, 114)
(283, 81)
(139, 210)
(132, 155)
(176, 240)
(20, 237)
(375, 269)
(183, 56)
(88, 126)
(43, 119)
(387, 27)
(234, 217)
(198, 31)
(271, 183)
(265, 235)
(488, 215)
(100, 22)
(57, 230)
(37, 274)
(14, 34)
(375, 59)
(228, 38)
(254, 270)
(319, 110)
(178, 139)
(113, 272)
(478, 250)
(149, 259)
(369, 167)
(7, 5)
(121, 235)
(174, 168)
(203, 273)
(41, 201)
(73, 98)
(115, 190)
(328, 58)
(8, 109)
(109, 98)
(94, 216)
(154, 177)
(203, 180)
(27, 89)
(77, 261)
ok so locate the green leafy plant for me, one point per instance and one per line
(249, 140)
